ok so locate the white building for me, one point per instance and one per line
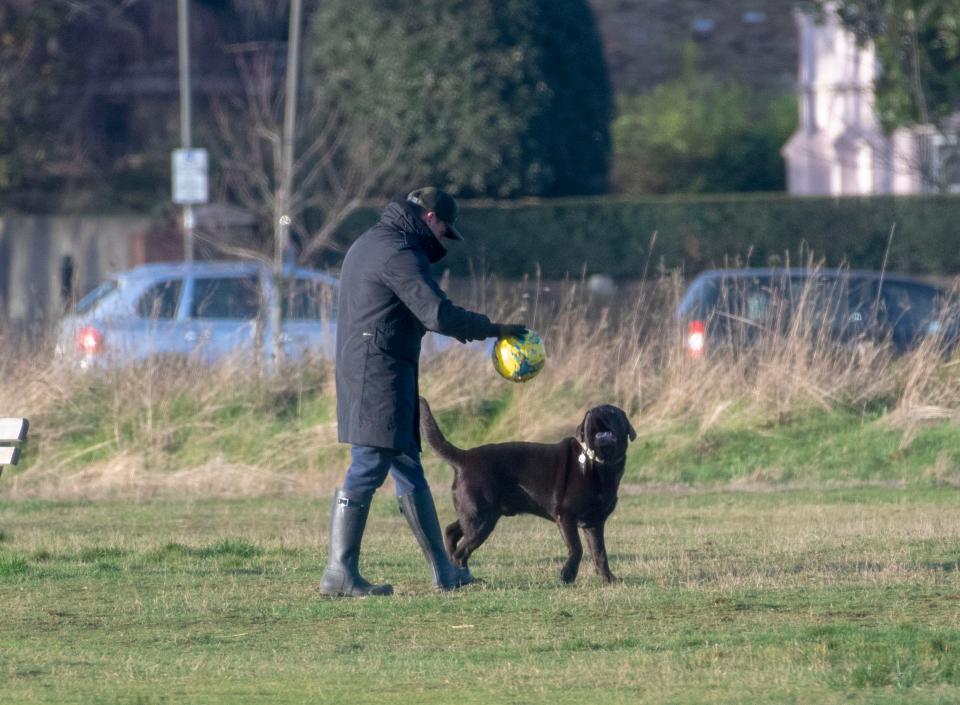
(839, 148)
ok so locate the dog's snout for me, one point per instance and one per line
(604, 438)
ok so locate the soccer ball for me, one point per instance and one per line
(519, 359)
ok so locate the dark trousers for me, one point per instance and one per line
(370, 465)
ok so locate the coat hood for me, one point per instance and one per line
(400, 216)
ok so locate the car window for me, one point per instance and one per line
(160, 300)
(308, 299)
(774, 300)
(756, 305)
(753, 300)
(905, 304)
(226, 297)
(699, 299)
(832, 301)
(96, 296)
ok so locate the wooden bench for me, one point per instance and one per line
(12, 433)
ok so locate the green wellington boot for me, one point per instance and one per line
(421, 514)
(347, 521)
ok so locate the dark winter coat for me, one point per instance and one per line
(388, 300)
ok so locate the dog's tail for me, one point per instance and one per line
(428, 427)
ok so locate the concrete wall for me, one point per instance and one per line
(47, 262)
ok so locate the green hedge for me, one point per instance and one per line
(613, 236)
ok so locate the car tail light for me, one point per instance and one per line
(90, 341)
(696, 338)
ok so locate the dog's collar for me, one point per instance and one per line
(587, 453)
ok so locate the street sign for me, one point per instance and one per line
(190, 176)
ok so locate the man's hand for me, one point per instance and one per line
(510, 330)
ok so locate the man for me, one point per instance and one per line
(388, 300)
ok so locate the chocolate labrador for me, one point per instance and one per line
(573, 482)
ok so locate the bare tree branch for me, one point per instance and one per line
(333, 175)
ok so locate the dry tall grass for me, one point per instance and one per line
(631, 354)
(229, 430)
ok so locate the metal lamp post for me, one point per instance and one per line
(189, 165)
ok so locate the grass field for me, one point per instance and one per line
(788, 531)
(843, 596)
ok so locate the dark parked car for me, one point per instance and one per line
(735, 307)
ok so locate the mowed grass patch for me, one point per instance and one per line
(740, 597)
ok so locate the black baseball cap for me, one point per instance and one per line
(434, 200)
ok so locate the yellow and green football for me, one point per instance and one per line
(519, 359)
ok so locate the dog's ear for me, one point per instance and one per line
(631, 431)
(582, 428)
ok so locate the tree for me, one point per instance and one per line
(88, 94)
(701, 134)
(87, 102)
(495, 98)
(43, 110)
(918, 46)
(280, 165)
(332, 177)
